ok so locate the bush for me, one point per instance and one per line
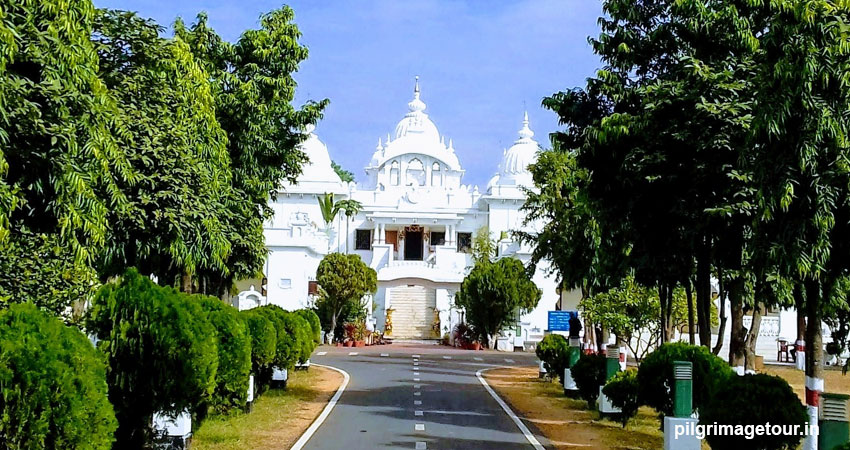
(54, 392)
(553, 350)
(464, 334)
(589, 374)
(315, 326)
(754, 400)
(623, 391)
(263, 340)
(161, 352)
(655, 375)
(287, 349)
(234, 354)
(300, 328)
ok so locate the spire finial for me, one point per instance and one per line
(525, 132)
(416, 105)
(380, 145)
(416, 87)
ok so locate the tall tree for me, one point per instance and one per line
(345, 279)
(254, 89)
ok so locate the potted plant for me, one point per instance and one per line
(465, 337)
(360, 334)
(350, 330)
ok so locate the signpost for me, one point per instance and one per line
(560, 320)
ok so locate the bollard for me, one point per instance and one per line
(249, 401)
(674, 427)
(573, 354)
(834, 426)
(612, 366)
(541, 371)
(683, 373)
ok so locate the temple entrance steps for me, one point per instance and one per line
(413, 311)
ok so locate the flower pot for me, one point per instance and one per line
(473, 346)
(349, 343)
(360, 343)
(339, 344)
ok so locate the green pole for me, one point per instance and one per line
(683, 388)
(612, 364)
(574, 352)
(834, 426)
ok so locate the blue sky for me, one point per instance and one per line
(481, 63)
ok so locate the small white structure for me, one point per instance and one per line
(250, 299)
(177, 430)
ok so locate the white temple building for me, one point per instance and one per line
(415, 228)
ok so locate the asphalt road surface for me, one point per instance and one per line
(418, 397)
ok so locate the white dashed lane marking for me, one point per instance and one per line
(417, 413)
(416, 379)
(419, 427)
(415, 356)
(509, 360)
(447, 357)
(478, 359)
(417, 402)
(421, 446)
(352, 354)
(385, 354)
(417, 386)
(415, 373)
(322, 353)
(417, 393)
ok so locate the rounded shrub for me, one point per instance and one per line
(553, 350)
(161, 353)
(749, 401)
(623, 391)
(234, 354)
(53, 384)
(315, 325)
(286, 345)
(263, 340)
(589, 374)
(655, 375)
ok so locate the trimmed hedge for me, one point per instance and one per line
(655, 375)
(315, 325)
(553, 350)
(752, 400)
(589, 374)
(263, 340)
(234, 354)
(161, 351)
(53, 384)
(623, 390)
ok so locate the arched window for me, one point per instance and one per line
(394, 173)
(415, 173)
(436, 178)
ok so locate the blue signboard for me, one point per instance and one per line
(560, 320)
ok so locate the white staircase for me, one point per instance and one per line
(413, 312)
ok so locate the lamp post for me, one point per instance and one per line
(679, 429)
(573, 354)
(834, 426)
(612, 366)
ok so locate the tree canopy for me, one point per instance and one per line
(345, 279)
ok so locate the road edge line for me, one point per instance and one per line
(529, 436)
(325, 412)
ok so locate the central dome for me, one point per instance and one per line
(416, 122)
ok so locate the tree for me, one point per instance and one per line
(254, 90)
(54, 385)
(330, 210)
(494, 292)
(345, 280)
(345, 175)
(175, 145)
(161, 353)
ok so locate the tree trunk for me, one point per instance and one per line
(721, 331)
(703, 288)
(752, 338)
(800, 343)
(738, 333)
(668, 313)
(690, 294)
(814, 356)
(662, 301)
(186, 282)
(334, 316)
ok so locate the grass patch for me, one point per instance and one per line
(278, 419)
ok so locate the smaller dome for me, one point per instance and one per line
(515, 162)
(416, 123)
(318, 168)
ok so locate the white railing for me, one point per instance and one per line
(769, 325)
(401, 263)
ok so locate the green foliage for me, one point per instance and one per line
(483, 245)
(234, 354)
(54, 385)
(315, 326)
(37, 269)
(161, 352)
(494, 292)
(56, 120)
(345, 279)
(553, 350)
(623, 390)
(303, 333)
(589, 374)
(656, 375)
(629, 311)
(754, 400)
(344, 175)
(263, 340)
(253, 85)
(176, 147)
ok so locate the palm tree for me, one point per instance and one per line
(330, 211)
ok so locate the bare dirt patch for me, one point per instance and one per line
(567, 422)
(278, 419)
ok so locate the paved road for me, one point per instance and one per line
(416, 397)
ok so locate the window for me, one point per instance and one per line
(363, 240)
(436, 179)
(285, 283)
(438, 238)
(415, 173)
(394, 173)
(312, 288)
(464, 242)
